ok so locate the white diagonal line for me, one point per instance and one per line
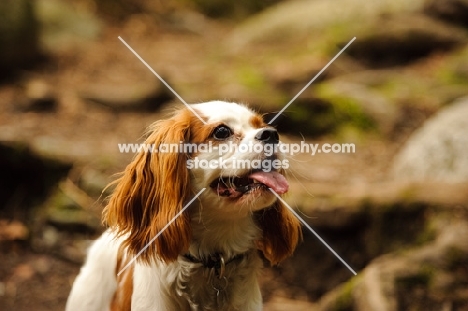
(160, 232)
(313, 231)
(161, 79)
(311, 81)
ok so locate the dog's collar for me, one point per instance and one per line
(215, 261)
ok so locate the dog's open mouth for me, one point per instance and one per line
(236, 187)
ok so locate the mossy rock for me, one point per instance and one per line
(309, 117)
(327, 111)
(316, 21)
(399, 40)
(65, 212)
(65, 27)
(421, 278)
(388, 33)
(355, 104)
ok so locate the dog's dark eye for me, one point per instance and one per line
(222, 132)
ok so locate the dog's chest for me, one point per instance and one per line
(206, 289)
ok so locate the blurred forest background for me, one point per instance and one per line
(396, 210)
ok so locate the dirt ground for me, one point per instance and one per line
(33, 281)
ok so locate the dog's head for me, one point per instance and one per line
(232, 154)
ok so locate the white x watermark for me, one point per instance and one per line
(274, 118)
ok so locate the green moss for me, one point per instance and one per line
(450, 75)
(349, 111)
(454, 69)
(250, 77)
(388, 88)
(335, 37)
(411, 88)
(346, 110)
(309, 118)
(344, 301)
(428, 233)
(62, 210)
(348, 133)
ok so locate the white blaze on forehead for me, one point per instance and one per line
(234, 115)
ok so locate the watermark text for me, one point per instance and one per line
(233, 148)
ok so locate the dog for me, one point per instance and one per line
(161, 253)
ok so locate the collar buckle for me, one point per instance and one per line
(217, 264)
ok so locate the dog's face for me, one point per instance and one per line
(237, 162)
(156, 186)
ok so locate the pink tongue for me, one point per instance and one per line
(273, 180)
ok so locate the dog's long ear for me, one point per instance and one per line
(281, 232)
(153, 189)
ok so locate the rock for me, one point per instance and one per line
(400, 39)
(291, 76)
(68, 209)
(413, 95)
(332, 107)
(302, 18)
(68, 218)
(372, 109)
(437, 151)
(452, 11)
(19, 46)
(64, 26)
(388, 33)
(39, 96)
(138, 96)
(312, 117)
(431, 277)
(359, 227)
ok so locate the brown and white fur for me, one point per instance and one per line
(236, 221)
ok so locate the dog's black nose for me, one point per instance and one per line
(268, 136)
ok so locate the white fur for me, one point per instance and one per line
(95, 285)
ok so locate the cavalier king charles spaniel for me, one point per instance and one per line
(161, 253)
